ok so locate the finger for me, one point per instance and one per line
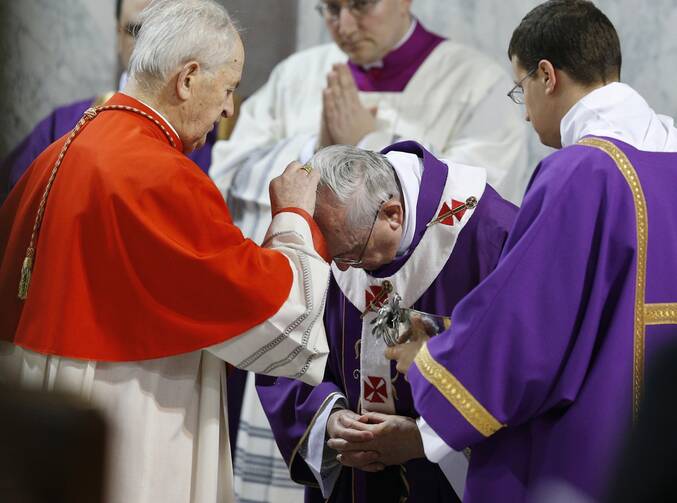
(373, 467)
(346, 79)
(357, 459)
(402, 368)
(362, 426)
(373, 111)
(342, 445)
(333, 82)
(292, 167)
(377, 417)
(329, 103)
(353, 435)
(392, 353)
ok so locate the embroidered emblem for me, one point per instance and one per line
(456, 209)
(375, 389)
(376, 296)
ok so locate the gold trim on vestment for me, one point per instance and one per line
(660, 314)
(628, 171)
(459, 397)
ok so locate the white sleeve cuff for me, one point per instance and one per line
(453, 464)
(321, 459)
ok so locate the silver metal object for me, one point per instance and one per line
(393, 321)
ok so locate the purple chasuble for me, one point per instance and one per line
(291, 405)
(399, 66)
(60, 122)
(541, 370)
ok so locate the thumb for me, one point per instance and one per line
(373, 111)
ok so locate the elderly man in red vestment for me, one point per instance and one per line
(125, 281)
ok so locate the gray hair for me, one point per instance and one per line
(174, 32)
(361, 180)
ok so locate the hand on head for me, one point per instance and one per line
(296, 187)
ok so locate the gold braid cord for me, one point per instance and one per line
(89, 115)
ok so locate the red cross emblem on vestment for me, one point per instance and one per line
(375, 296)
(375, 389)
(454, 211)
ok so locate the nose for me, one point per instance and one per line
(347, 24)
(229, 107)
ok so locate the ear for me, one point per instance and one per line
(185, 81)
(393, 212)
(548, 75)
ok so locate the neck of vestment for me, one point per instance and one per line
(399, 65)
(430, 192)
(617, 111)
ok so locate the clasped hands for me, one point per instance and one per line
(372, 441)
(345, 121)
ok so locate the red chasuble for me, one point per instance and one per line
(137, 256)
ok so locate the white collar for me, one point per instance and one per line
(618, 111)
(156, 112)
(403, 40)
(409, 171)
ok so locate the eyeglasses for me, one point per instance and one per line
(331, 11)
(358, 263)
(516, 94)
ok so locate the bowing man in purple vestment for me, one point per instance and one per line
(541, 372)
(63, 119)
(380, 214)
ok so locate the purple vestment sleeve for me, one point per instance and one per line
(291, 407)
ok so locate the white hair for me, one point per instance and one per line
(361, 180)
(174, 32)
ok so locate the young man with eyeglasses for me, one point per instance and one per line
(546, 356)
(390, 230)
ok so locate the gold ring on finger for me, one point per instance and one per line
(307, 168)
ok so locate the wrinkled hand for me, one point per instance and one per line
(396, 439)
(342, 429)
(294, 188)
(346, 120)
(405, 352)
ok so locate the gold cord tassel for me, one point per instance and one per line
(26, 270)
